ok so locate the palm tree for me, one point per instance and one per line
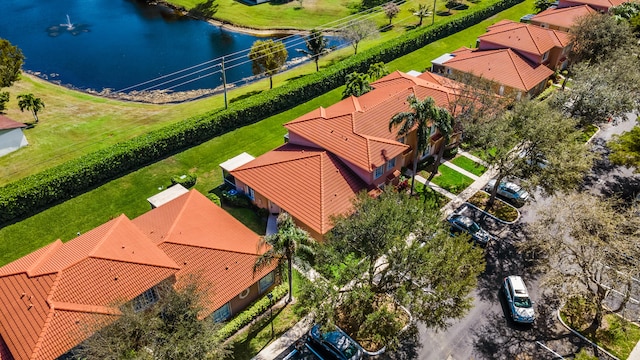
(419, 118)
(284, 245)
(317, 45)
(443, 121)
(31, 103)
(422, 12)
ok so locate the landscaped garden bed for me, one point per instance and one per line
(616, 335)
(449, 179)
(430, 197)
(469, 165)
(500, 209)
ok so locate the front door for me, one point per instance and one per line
(273, 208)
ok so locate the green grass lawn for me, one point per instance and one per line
(616, 335)
(587, 132)
(450, 180)
(431, 197)
(247, 344)
(127, 194)
(469, 165)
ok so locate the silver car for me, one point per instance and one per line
(520, 305)
(509, 191)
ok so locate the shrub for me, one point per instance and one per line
(427, 163)
(253, 311)
(215, 198)
(33, 193)
(236, 199)
(262, 212)
(450, 153)
(188, 181)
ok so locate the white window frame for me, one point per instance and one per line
(222, 314)
(266, 281)
(250, 192)
(379, 171)
(145, 300)
(391, 164)
(501, 91)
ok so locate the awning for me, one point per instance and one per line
(442, 59)
(236, 162)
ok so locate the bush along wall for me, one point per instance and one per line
(31, 194)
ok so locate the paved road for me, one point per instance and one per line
(485, 332)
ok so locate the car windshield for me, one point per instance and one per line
(474, 228)
(522, 302)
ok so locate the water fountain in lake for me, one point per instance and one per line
(73, 29)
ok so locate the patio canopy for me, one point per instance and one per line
(236, 162)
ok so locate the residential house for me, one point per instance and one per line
(333, 153)
(11, 136)
(51, 298)
(541, 46)
(561, 19)
(511, 73)
(602, 6)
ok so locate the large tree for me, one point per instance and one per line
(317, 45)
(598, 35)
(391, 10)
(419, 118)
(443, 122)
(585, 246)
(282, 246)
(11, 59)
(537, 144)
(393, 250)
(357, 84)
(602, 91)
(625, 148)
(357, 30)
(171, 329)
(31, 103)
(267, 57)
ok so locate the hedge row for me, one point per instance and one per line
(31, 194)
(253, 311)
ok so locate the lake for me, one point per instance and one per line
(123, 44)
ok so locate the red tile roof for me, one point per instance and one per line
(503, 66)
(563, 17)
(6, 124)
(603, 4)
(207, 243)
(357, 129)
(523, 37)
(50, 297)
(311, 184)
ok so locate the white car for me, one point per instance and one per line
(520, 304)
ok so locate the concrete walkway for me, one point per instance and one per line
(635, 353)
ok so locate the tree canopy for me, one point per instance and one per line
(317, 45)
(597, 36)
(625, 148)
(11, 59)
(391, 10)
(535, 143)
(267, 57)
(393, 248)
(31, 103)
(357, 30)
(171, 329)
(585, 245)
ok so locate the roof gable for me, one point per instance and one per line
(194, 220)
(563, 17)
(524, 37)
(503, 66)
(310, 184)
(7, 123)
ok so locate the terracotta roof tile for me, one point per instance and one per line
(311, 184)
(564, 17)
(225, 274)
(6, 123)
(523, 37)
(191, 219)
(604, 4)
(503, 66)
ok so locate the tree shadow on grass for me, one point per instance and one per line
(244, 96)
(242, 349)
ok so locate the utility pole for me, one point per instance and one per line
(224, 84)
(270, 296)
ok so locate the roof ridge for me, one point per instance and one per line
(209, 248)
(533, 38)
(139, 263)
(86, 308)
(322, 205)
(305, 156)
(356, 104)
(50, 314)
(175, 220)
(511, 54)
(104, 237)
(53, 247)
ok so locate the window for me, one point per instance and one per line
(402, 140)
(391, 164)
(266, 281)
(449, 71)
(145, 300)
(222, 314)
(250, 193)
(545, 56)
(378, 172)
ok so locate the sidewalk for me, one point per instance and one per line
(635, 353)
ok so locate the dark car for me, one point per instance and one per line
(463, 224)
(333, 345)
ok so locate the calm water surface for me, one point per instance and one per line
(117, 44)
